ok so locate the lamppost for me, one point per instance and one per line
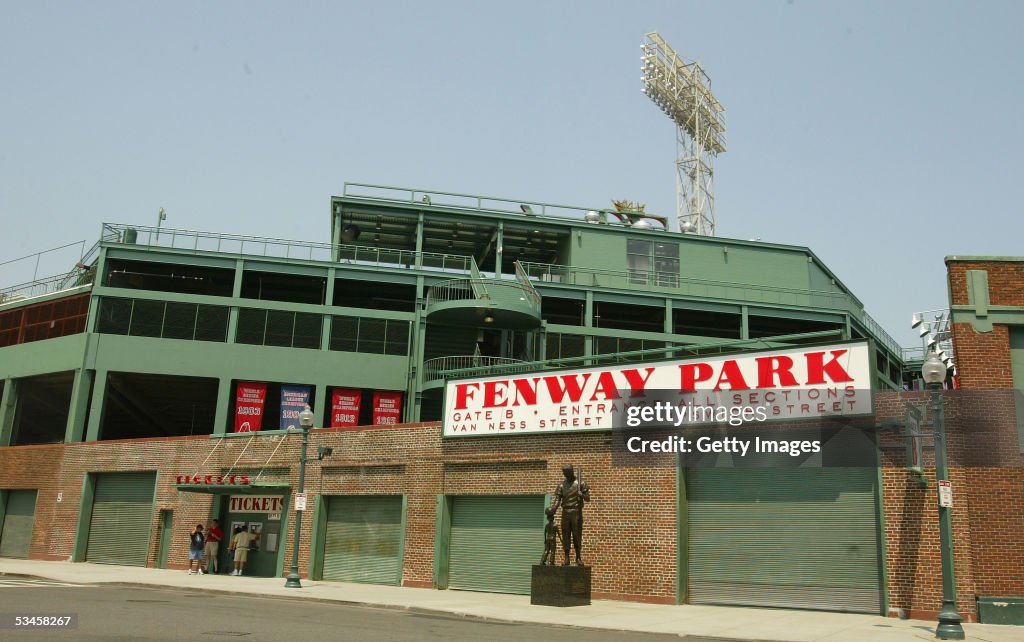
(306, 421)
(934, 373)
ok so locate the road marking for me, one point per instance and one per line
(8, 582)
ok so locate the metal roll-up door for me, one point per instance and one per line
(19, 518)
(122, 517)
(363, 540)
(785, 537)
(495, 541)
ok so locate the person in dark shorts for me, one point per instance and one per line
(197, 542)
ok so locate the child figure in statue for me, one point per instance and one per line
(550, 538)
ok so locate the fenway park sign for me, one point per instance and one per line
(784, 384)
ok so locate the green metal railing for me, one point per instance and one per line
(438, 368)
(635, 355)
(476, 289)
(549, 273)
(197, 241)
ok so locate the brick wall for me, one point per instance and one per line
(630, 505)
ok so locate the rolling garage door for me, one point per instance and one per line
(122, 516)
(18, 520)
(784, 537)
(363, 540)
(495, 541)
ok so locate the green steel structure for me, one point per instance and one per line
(157, 330)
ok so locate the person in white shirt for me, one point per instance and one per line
(240, 545)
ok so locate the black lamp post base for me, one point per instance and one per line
(293, 582)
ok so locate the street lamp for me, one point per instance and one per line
(306, 421)
(934, 373)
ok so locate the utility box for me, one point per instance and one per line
(1001, 610)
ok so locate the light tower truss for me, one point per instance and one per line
(683, 91)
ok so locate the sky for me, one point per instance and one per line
(882, 135)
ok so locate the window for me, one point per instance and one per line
(371, 336)
(163, 319)
(653, 263)
(279, 328)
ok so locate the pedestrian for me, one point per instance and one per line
(240, 545)
(214, 535)
(195, 550)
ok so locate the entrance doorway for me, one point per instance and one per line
(260, 515)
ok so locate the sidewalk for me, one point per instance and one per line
(714, 621)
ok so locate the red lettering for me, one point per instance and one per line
(731, 375)
(463, 393)
(817, 368)
(770, 367)
(636, 382)
(245, 479)
(692, 373)
(179, 479)
(494, 394)
(605, 386)
(526, 392)
(572, 386)
(208, 480)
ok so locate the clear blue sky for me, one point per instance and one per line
(882, 135)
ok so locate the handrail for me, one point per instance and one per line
(467, 289)
(437, 368)
(195, 241)
(39, 287)
(633, 355)
(524, 280)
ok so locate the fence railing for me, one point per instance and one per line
(196, 241)
(434, 369)
(47, 285)
(475, 289)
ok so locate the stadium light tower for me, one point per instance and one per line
(683, 91)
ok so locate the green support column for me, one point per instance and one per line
(499, 254)
(744, 323)
(320, 405)
(668, 325)
(335, 235)
(80, 398)
(99, 393)
(417, 339)
(236, 293)
(224, 405)
(8, 405)
(325, 333)
(419, 241)
(588, 322)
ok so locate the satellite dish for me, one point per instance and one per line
(592, 217)
(687, 227)
(642, 224)
(350, 233)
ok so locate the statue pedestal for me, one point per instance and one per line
(560, 585)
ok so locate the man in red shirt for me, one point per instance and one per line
(213, 536)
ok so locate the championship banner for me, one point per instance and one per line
(293, 401)
(387, 408)
(250, 398)
(345, 404)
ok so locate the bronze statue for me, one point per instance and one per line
(550, 538)
(571, 495)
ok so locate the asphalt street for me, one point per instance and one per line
(143, 613)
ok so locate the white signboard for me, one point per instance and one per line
(787, 384)
(945, 493)
(300, 501)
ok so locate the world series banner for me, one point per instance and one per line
(250, 398)
(387, 408)
(293, 401)
(345, 403)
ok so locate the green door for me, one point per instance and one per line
(19, 517)
(122, 517)
(166, 537)
(495, 541)
(785, 537)
(363, 540)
